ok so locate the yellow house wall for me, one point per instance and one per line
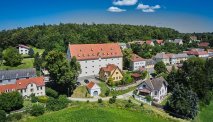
(117, 75)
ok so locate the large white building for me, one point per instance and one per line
(94, 56)
(26, 87)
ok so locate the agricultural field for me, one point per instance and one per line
(101, 112)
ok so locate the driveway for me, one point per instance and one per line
(90, 78)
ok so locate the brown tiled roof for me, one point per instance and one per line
(109, 68)
(197, 52)
(95, 51)
(136, 58)
(90, 85)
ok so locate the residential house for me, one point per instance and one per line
(193, 37)
(177, 58)
(178, 41)
(159, 42)
(93, 88)
(123, 46)
(150, 63)
(198, 53)
(46, 75)
(136, 42)
(23, 49)
(26, 87)
(162, 57)
(111, 71)
(136, 76)
(94, 56)
(203, 44)
(136, 62)
(210, 52)
(10, 76)
(150, 42)
(156, 88)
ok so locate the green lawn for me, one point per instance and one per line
(105, 112)
(36, 50)
(206, 114)
(26, 63)
(81, 92)
(104, 88)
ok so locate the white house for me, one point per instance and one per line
(178, 41)
(26, 87)
(93, 89)
(136, 62)
(162, 57)
(23, 49)
(156, 88)
(94, 56)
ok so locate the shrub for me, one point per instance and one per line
(34, 99)
(51, 93)
(87, 101)
(14, 117)
(100, 100)
(112, 100)
(37, 110)
(107, 93)
(2, 116)
(142, 104)
(11, 101)
(148, 98)
(42, 99)
(57, 104)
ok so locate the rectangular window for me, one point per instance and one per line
(41, 88)
(37, 88)
(156, 93)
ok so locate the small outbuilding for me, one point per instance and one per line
(93, 89)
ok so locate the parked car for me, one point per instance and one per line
(86, 81)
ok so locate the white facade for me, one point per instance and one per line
(92, 67)
(33, 89)
(23, 50)
(95, 90)
(159, 94)
(137, 65)
(204, 56)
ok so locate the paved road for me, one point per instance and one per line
(124, 96)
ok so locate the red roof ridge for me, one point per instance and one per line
(90, 85)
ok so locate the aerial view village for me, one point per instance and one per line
(96, 63)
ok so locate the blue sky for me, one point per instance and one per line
(182, 15)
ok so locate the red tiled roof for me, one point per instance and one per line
(159, 41)
(136, 75)
(22, 83)
(90, 85)
(197, 52)
(10, 87)
(136, 58)
(95, 51)
(109, 68)
(203, 44)
(148, 42)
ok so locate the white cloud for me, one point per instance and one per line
(124, 2)
(148, 8)
(115, 9)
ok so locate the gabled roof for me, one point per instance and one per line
(109, 68)
(150, 62)
(91, 85)
(23, 83)
(136, 58)
(136, 75)
(197, 53)
(203, 44)
(23, 46)
(17, 74)
(158, 82)
(159, 41)
(161, 56)
(95, 51)
(149, 42)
